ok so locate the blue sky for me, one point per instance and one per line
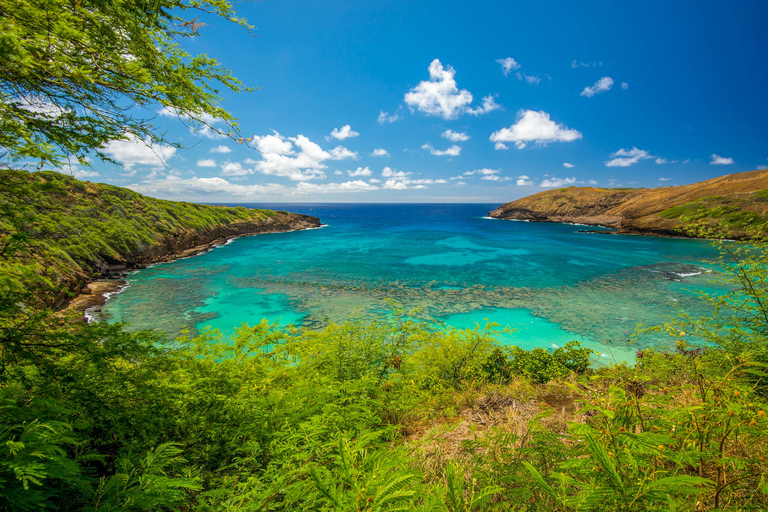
(422, 101)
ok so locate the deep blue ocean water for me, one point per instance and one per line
(550, 283)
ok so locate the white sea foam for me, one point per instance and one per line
(91, 315)
(321, 226)
(490, 218)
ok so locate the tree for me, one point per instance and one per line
(72, 73)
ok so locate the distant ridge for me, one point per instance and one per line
(735, 203)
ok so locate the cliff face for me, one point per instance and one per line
(73, 231)
(736, 203)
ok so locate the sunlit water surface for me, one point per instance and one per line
(550, 283)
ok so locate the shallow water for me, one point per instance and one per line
(550, 282)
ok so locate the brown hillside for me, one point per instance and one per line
(737, 202)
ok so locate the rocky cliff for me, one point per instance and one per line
(72, 232)
(736, 204)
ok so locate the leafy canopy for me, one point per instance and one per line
(72, 73)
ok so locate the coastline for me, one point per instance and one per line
(96, 292)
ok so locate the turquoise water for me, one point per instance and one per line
(550, 282)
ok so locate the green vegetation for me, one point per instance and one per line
(70, 82)
(389, 414)
(733, 215)
(75, 228)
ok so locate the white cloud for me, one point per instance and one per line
(338, 173)
(455, 136)
(495, 177)
(395, 184)
(535, 127)
(439, 96)
(205, 187)
(592, 182)
(759, 167)
(489, 105)
(602, 85)
(234, 169)
(624, 85)
(662, 161)
(345, 132)
(500, 146)
(557, 182)
(380, 152)
(221, 149)
(575, 64)
(720, 160)
(531, 79)
(361, 171)
(325, 188)
(374, 180)
(388, 172)
(664, 179)
(133, 151)
(524, 181)
(296, 158)
(484, 172)
(206, 162)
(459, 183)
(384, 117)
(342, 153)
(627, 157)
(451, 151)
(569, 166)
(508, 65)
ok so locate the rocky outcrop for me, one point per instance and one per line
(647, 211)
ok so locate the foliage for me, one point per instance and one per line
(75, 229)
(72, 73)
(735, 216)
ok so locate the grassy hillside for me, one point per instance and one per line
(76, 230)
(735, 204)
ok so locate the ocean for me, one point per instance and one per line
(549, 283)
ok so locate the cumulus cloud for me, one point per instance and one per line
(535, 127)
(133, 151)
(624, 85)
(451, 151)
(454, 136)
(345, 132)
(206, 162)
(440, 96)
(205, 187)
(234, 169)
(384, 117)
(720, 160)
(380, 152)
(602, 85)
(483, 172)
(361, 171)
(499, 146)
(557, 182)
(489, 105)
(221, 149)
(627, 157)
(296, 158)
(495, 177)
(662, 161)
(388, 172)
(566, 164)
(664, 179)
(325, 188)
(508, 65)
(524, 181)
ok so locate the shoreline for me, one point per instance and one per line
(96, 292)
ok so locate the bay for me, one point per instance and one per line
(550, 283)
